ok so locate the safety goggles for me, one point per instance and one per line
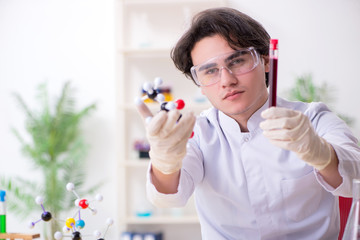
(237, 63)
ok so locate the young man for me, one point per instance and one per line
(257, 172)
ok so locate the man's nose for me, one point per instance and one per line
(226, 77)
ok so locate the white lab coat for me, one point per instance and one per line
(247, 188)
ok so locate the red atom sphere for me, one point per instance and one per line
(180, 104)
(83, 203)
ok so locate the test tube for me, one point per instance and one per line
(2, 212)
(273, 54)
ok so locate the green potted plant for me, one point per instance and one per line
(57, 151)
(306, 91)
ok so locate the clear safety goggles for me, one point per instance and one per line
(237, 63)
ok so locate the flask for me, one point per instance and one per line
(352, 228)
(2, 212)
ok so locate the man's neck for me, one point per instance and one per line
(243, 118)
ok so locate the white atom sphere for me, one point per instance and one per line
(170, 106)
(39, 200)
(148, 120)
(160, 97)
(58, 235)
(77, 201)
(70, 187)
(158, 81)
(99, 197)
(97, 233)
(147, 86)
(138, 101)
(66, 229)
(31, 225)
(109, 221)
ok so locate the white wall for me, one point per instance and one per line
(74, 39)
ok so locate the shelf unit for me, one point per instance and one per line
(146, 31)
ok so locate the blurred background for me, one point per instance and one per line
(83, 41)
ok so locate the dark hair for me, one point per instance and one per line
(237, 28)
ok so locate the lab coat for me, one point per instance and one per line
(247, 188)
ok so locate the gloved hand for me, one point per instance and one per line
(168, 138)
(292, 130)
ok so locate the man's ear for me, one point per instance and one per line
(266, 61)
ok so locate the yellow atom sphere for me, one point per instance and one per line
(70, 222)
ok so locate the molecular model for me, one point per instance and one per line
(152, 92)
(45, 216)
(71, 224)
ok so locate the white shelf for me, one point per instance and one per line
(136, 163)
(163, 220)
(147, 31)
(170, 2)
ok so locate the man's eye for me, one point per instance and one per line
(237, 61)
(211, 71)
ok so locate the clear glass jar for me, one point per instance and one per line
(352, 229)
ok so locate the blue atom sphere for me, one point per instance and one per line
(80, 224)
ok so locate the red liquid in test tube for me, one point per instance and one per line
(273, 54)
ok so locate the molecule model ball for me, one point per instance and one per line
(46, 216)
(76, 236)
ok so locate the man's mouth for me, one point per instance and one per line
(232, 95)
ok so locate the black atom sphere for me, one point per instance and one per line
(46, 216)
(153, 95)
(76, 236)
